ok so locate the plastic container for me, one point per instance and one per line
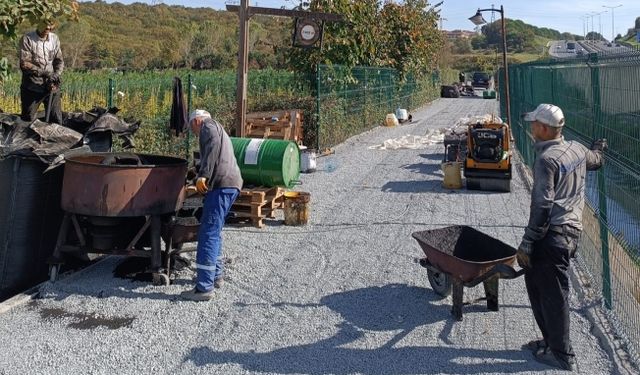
(267, 162)
(391, 120)
(402, 114)
(296, 207)
(308, 162)
(452, 175)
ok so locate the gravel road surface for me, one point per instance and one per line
(342, 295)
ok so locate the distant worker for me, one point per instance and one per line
(220, 182)
(462, 77)
(552, 235)
(41, 64)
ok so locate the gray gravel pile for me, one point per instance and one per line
(342, 295)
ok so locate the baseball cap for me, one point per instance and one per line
(547, 114)
(199, 113)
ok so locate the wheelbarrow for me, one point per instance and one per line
(460, 256)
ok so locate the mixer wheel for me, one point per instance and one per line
(160, 279)
(53, 272)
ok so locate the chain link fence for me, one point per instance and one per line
(600, 98)
(353, 100)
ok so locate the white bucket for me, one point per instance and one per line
(402, 114)
(307, 160)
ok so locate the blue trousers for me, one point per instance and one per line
(217, 204)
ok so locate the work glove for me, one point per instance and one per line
(55, 79)
(600, 145)
(46, 74)
(201, 185)
(523, 255)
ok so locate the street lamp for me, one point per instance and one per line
(613, 35)
(600, 23)
(592, 31)
(478, 20)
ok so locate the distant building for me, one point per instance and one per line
(460, 34)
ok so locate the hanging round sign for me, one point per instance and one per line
(307, 32)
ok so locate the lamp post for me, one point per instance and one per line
(600, 23)
(478, 20)
(613, 33)
(592, 32)
(585, 21)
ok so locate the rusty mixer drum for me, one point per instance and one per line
(123, 185)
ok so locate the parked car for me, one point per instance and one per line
(481, 79)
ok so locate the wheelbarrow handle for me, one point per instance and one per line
(502, 270)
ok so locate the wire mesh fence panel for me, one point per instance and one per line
(352, 100)
(600, 98)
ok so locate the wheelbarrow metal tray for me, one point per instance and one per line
(464, 252)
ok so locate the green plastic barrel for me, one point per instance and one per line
(267, 162)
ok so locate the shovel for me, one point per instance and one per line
(52, 92)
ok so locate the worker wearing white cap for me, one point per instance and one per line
(219, 180)
(552, 234)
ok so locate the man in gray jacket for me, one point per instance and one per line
(41, 64)
(552, 235)
(219, 180)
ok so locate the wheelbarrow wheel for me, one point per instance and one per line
(440, 282)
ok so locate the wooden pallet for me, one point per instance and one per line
(285, 125)
(253, 205)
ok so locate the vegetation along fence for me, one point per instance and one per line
(600, 97)
(147, 97)
(350, 101)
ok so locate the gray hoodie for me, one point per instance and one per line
(557, 197)
(217, 159)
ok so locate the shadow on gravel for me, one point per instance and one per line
(425, 168)
(425, 186)
(438, 156)
(389, 308)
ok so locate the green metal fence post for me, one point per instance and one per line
(318, 108)
(188, 137)
(110, 94)
(364, 108)
(597, 132)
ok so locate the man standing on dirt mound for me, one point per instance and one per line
(219, 181)
(41, 64)
(552, 235)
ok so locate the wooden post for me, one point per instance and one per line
(244, 13)
(243, 68)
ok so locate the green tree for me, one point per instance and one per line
(410, 39)
(13, 13)
(403, 36)
(462, 46)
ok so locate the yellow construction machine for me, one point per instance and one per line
(488, 160)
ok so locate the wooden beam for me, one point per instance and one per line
(287, 13)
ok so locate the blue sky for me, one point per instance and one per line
(562, 15)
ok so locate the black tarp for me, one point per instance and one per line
(30, 212)
(30, 217)
(178, 120)
(89, 131)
